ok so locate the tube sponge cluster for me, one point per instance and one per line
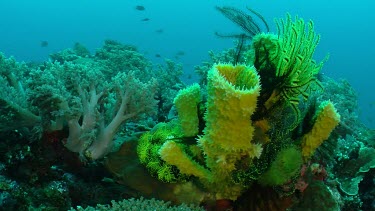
(253, 119)
(232, 93)
(230, 138)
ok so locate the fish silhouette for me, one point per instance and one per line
(140, 7)
(159, 31)
(44, 44)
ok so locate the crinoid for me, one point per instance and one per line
(286, 66)
(295, 65)
(246, 22)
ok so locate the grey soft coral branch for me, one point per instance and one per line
(94, 138)
(79, 138)
(136, 98)
(103, 144)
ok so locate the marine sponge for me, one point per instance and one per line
(186, 103)
(232, 99)
(326, 119)
(232, 93)
(173, 154)
(287, 164)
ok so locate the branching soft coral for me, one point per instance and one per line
(90, 95)
(93, 108)
(135, 98)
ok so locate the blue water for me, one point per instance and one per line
(347, 30)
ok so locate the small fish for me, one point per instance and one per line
(43, 44)
(140, 7)
(159, 31)
(180, 53)
(157, 55)
(145, 19)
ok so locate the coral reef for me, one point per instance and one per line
(90, 95)
(263, 130)
(60, 116)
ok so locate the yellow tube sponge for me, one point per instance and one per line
(326, 120)
(232, 93)
(172, 153)
(186, 103)
(232, 98)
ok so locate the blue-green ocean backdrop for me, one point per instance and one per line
(175, 26)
